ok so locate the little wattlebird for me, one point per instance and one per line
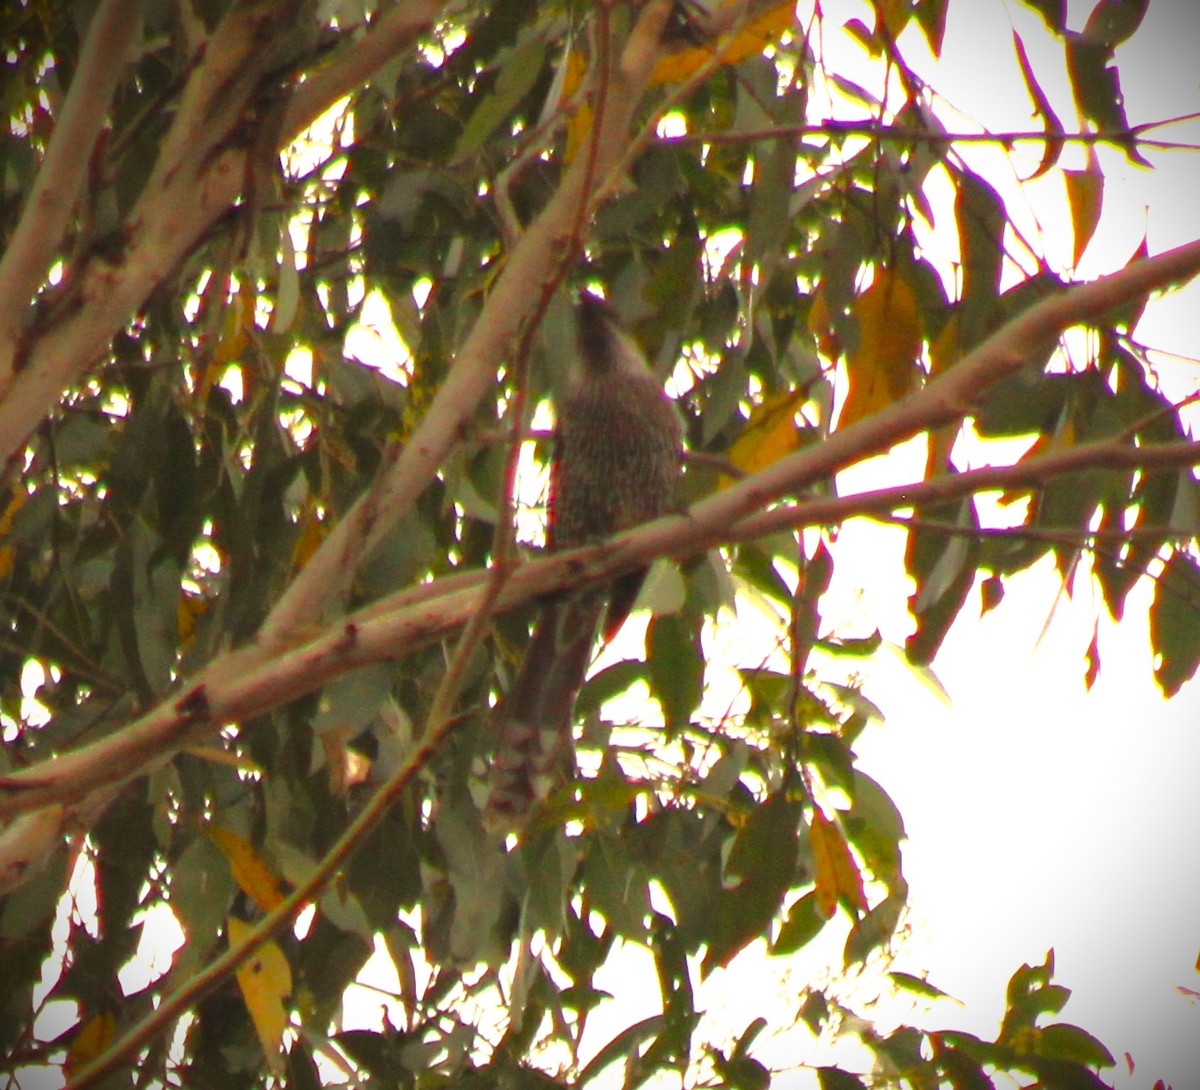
(616, 463)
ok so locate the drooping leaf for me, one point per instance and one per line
(265, 980)
(1175, 623)
(1042, 110)
(249, 869)
(883, 367)
(837, 877)
(1085, 197)
(759, 871)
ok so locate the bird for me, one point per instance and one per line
(617, 457)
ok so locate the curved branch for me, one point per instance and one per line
(52, 200)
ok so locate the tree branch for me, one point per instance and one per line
(197, 177)
(505, 312)
(904, 134)
(356, 60)
(52, 200)
(1033, 471)
(243, 684)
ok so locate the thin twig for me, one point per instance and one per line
(880, 130)
(439, 723)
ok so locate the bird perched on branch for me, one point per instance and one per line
(617, 457)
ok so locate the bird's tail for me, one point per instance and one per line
(534, 744)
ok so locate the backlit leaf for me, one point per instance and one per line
(92, 1038)
(770, 432)
(760, 32)
(1085, 198)
(883, 368)
(837, 874)
(1042, 109)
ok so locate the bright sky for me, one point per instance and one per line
(1040, 815)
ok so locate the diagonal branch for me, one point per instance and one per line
(1038, 470)
(51, 202)
(505, 312)
(197, 178)
(243, 684)
(248, 682)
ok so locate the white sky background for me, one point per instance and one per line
(1040, 815)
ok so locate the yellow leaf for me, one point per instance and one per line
(93, 1037)
(265, 979)
(313, 529)
(837, 874)
(1085, 196)
(759, 33)
(820, 325)
(239, 321)
(15, 503)
(189, 609)
(249, 869)
(580, 124)
(884, 366)
(769, 434)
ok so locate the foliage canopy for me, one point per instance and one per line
(257, 542)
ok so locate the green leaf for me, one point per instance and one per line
(758, 873)
(623, 1046)
(980, 215)
(834, 1078)
(803, 923)
(1054, 12)
(1042, 109)
(873, 930)
(1062, 1041)
(915, 984)
(1114, 21)
(1175, 623)
(676, 666)
(517, 76)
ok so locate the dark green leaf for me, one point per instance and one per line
(834, 1078)
(676, 666)
(1175, 623)
(803, 923)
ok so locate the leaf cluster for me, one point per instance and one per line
(215, 436)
